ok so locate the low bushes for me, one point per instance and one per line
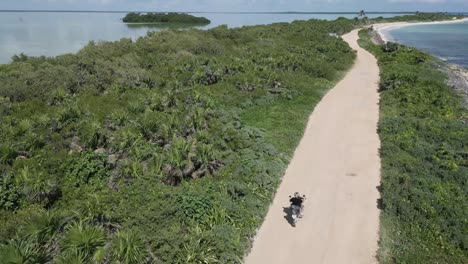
(164, 150)
(424, 140)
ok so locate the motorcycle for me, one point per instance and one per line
(296, 211)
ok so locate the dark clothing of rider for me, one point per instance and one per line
(297, 201)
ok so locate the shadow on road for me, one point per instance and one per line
(288, 216)
(380, 203)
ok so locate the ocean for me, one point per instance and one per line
(446, 41)
(55, 33)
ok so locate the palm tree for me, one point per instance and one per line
(156, 164)
(206, 101)
(199, 117)
(59, 97)
(94, 135)
(205, 154)
(69, 114)
(198, 251)
(148, 125)
(202, 136)
(94, 210)
(175, 165)
(165, 133)
(127, 138)
(178, 162)
(362, 14)
(36, 187)
(43, 228)
(119, 117)
(128, 247)
(131, 169)
(206, 161)
(8, 154)
(24, 126)
(169, 100)
(84, 240)
(20, 251)
(32, 141)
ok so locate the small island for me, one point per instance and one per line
(175, 18)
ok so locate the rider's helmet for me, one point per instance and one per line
(296, 194)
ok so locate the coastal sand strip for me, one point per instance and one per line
(384, 28)
(337, 166)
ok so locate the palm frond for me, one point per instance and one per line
(19, 251)
(36, 186)
(84, 239)
(71, 258)
(43, 226)
(128, 247)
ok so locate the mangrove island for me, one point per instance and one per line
(178, 18)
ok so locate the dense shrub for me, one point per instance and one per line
(9, 194)
(87, 168)
(390, 47)
(180, 135)
(195, 207)
(424, 140)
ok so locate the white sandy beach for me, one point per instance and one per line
(384, 28)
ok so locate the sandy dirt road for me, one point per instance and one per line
(337, 167)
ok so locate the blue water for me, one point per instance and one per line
(446, 41)
(51, 34)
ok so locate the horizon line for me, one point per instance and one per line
(223, 12)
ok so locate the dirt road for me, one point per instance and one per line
(337, 167)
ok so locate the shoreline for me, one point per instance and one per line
(457, 74)
(383, 29)
(458, 79)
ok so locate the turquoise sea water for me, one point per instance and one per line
(53, 33)
(446, 41)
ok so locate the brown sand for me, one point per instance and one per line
(337, 167)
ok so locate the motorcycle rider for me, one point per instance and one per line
(297, 203)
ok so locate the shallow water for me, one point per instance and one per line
(446, 41)
(51, 34)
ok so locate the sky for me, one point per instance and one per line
(238, 5)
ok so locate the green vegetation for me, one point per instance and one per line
(424, 159)
(167, 149)
(175, 18)
(417, 17)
